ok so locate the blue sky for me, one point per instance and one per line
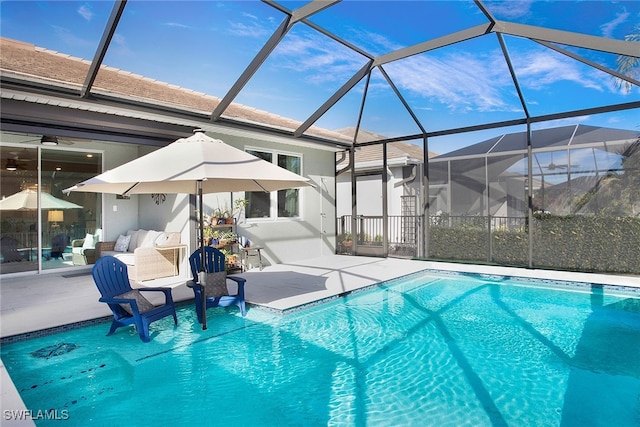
(205, 45)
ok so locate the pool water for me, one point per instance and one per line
(427, 350)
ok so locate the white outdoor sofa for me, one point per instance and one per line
(149, 254)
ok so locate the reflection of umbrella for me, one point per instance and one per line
(197, 164)
(28, 200)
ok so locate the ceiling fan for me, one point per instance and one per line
(553, 166)
(16, 162)
(45, 140)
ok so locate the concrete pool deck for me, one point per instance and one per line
(40, 302)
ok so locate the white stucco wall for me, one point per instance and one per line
(369, 193)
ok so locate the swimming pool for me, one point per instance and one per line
(429, 349)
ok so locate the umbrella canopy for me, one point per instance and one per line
(178, 167)
(28, 200)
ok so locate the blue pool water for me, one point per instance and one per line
(426, 350)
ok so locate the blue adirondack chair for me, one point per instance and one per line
(128, 305)
(215, 293)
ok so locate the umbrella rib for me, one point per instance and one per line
(126, 193)
(258, 184)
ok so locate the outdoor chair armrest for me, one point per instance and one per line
(131, 301)
(77, 243)
(240, 281)
(192, 284)
(90, 255)
(104, 247)
(166, 291)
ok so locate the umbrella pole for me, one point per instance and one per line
(203, 300)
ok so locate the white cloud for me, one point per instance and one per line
(85, 12)
(248, 29)
(176, 25)
(538, 69)
(119, 45)
(373, 43)
(70, 39)
(509, 9)
(460, 80)
(250, 25)
(323, 59)
(609, 27)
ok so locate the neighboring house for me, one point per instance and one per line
(404, 168)
(404, 198)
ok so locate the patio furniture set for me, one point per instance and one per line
(130, 307)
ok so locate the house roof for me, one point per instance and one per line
(398, 153)
(25, 61)
(544, 139)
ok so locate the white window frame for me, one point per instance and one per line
(273, 200)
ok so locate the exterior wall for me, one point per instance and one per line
(288, 240)
(369, 193)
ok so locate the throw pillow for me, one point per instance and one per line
(122, 244)
(149, 239)
(133, 243)
(142, 235)
(162, 239)
(89, 242)
(216, 284)
(172, 239)
(144, 304)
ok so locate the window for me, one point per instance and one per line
(278, 204)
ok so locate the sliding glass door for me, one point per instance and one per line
(42, 228)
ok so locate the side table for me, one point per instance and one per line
(250, 254)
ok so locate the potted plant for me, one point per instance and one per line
(231, 259)
(210, 220)
(347, 239)
(221, 214)
(214, 237)
(238, 206)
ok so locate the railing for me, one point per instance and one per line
(606, 244)
(29, 239)
(405, 232)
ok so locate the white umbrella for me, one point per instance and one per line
(194, 165)
(28, 200)
(181, 165)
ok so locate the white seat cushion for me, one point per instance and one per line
(127, 258)
(89, 242)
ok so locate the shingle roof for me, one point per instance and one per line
(29, 62)
(397, 153)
